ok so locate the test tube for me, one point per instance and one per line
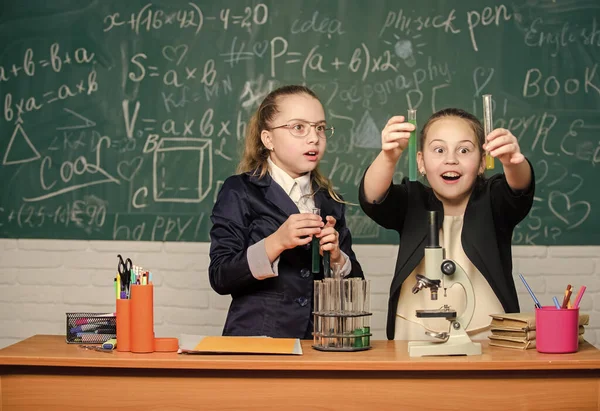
(348, 321)
(315, 246)
(326, 326)
(326, 264)
(358, 308)
(488, 126)
(322, 308)
(335, 310)
(316, 318)
(412, 147)
(367, 309)
(336, 272)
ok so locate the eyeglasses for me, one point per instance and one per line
(301, 129)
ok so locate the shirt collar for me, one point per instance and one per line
(286, 181)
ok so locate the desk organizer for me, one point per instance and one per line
(557, 330)
(342, 321)
(135, 323)
(90, 328)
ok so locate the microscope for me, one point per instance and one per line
(444, 273)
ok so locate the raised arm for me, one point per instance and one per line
(394, 139)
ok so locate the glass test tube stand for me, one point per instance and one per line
(342, 321)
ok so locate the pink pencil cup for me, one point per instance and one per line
(557, 330)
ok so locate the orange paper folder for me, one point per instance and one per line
(191, 344)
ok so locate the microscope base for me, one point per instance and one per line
(458, 343)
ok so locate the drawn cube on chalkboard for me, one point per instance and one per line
(182, 170)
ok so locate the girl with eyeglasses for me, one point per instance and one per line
(263, 220)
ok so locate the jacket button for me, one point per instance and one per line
(302, 301)
(305, 273)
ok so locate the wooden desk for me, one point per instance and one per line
(43, 372)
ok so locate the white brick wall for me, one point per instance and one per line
(41, 280)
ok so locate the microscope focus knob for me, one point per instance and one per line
(448, 267)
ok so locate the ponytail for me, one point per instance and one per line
(254, 157)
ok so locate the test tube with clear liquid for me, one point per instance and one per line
(338, 282)
(318, 307)
(488, 126)
(412, 147)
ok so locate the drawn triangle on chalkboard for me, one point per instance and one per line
(86, 121)
(26, 149)
(367, 133)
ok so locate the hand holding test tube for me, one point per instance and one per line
(488, 126)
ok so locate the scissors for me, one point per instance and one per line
(124, 268)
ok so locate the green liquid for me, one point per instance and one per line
(412, 153)
(366, 339)
(358, 340)
(316, 257)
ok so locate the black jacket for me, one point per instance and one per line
(491, 214)
(248, 210)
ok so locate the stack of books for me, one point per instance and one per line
(517, 330)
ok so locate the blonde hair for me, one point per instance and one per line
(255, 155)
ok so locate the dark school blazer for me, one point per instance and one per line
(247, 210)
(492, 213)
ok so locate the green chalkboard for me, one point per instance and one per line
(121, 119)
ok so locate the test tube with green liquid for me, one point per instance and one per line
(315, 246)
(412, 147)
(488, 126)
(326, 264)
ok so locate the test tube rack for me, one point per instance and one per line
(342, 321)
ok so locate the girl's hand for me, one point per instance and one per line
(330, 240)
(504, 146)
(297, 230)
(395, 135)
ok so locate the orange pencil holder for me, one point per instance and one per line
(142, 318)
(123, 325)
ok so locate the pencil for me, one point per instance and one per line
(535, 300)
(579, 295)
(567, 296)
(556, 304)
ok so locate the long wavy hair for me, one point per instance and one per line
(255, 155)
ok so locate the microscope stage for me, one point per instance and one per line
(435, 314)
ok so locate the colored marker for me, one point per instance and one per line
(579, 295)
(568, 292)
(412, 147)
(106, 330)
(86, 327)
(488, 126)
(94, 320)
(537, 303)
(110, 344)
(556, 303)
